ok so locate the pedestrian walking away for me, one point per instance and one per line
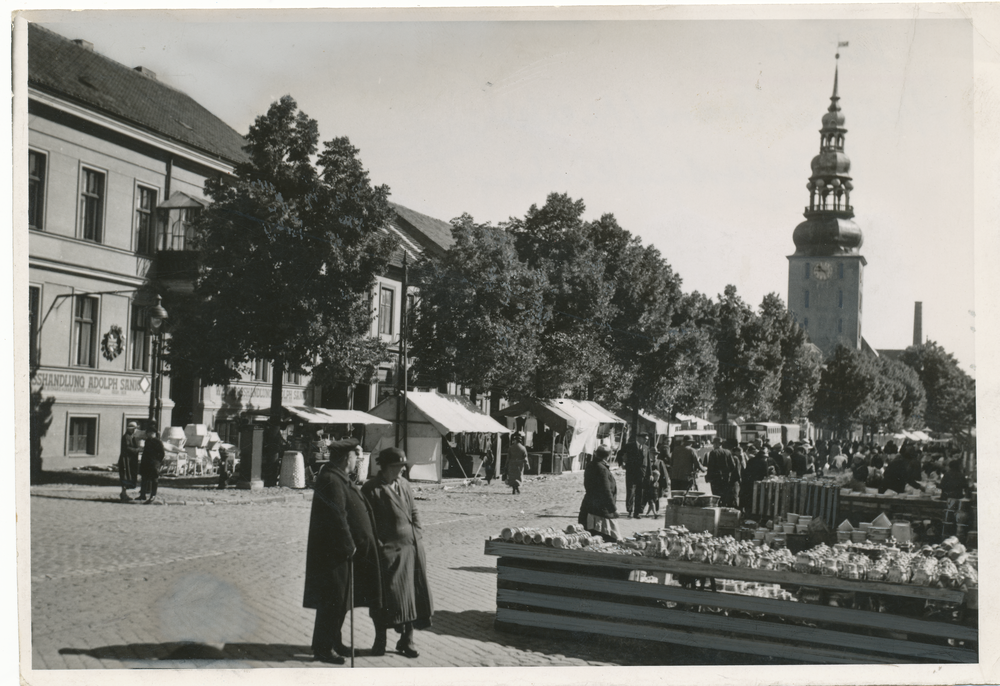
(128, 461)
(684, 466)
(516, 461)
(341, 552)
(406, 594)
(723, 473)
(637, 467)
(489, 463)
(152, 459)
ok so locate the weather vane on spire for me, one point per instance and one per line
(840, 44)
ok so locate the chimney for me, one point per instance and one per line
(85, 44)
(918, 323)
(146, 72)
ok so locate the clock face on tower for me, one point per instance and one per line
(823, 271)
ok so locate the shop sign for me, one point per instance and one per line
(83, 383)
(260, 392)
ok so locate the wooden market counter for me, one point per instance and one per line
(546, 588)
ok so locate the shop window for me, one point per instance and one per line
(385, 306)
(85, 331)
(293, 378)
(34, 310)
(139, 340)
(145, 221)
(82, 436)
(36, 189)
(92, 206)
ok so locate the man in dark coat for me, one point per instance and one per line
(684, 466)
(128, 461)
(341, 533)
(902, 471)
(759, 467)
(152, 459)
(637, 468)
(407, 602)
(723, 474)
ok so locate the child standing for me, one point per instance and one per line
(650, 493)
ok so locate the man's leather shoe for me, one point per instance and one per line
(341, 649)
(406, 651)
(329, 658)
(378, 648)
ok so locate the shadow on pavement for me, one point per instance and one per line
(108, 478)
(589, 647)
(257, 652)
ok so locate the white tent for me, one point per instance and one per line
(430, 416)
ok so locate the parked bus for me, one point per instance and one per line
(768, 432)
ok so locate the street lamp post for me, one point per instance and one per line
(156, 316)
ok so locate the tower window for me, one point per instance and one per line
(840, 326)
(840, 270)
(840, 299)
(807, 271)
(805, 323)
(806, 298)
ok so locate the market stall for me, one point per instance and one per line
(839, 604)
(658, 429)
(433, 422)
(560, 433)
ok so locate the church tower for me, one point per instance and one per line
(825, 275)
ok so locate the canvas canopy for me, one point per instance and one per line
(655, 426)
(322, 415)
(430, 416)
(580, 422)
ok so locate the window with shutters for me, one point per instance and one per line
(92, 206)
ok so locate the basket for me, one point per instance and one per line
(691, 498)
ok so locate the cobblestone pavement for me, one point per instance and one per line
(220, 585)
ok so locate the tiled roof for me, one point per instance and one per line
(418, 234)
(432, 234)
(59, 66)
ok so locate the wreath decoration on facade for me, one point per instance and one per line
(113, 343)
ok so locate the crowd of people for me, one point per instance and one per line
(731, 468)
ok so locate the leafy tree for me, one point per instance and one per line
(848, 392)
(951, 393)
(289, 252)
(796, 361)
(749, 352)
(908, 395)
(553, 239)
(481, 312)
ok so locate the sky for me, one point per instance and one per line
(696, 134)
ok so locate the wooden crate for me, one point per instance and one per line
(578, 591)
(696, 519)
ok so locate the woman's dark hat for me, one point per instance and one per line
(339, 449)
(390, 456)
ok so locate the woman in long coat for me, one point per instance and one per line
(517, 458)
(599, 509)
(340, 526)
(406, 593)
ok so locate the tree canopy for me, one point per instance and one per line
(951, 393)
(289, 251)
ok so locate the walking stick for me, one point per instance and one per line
(350, 591)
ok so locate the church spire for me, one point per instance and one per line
(830, 189)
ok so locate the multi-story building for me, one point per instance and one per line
(117, 162)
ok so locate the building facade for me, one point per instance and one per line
(826, 272)
(116, 166)
(117, 163)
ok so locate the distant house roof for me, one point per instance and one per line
(418, 234)
(61, 67)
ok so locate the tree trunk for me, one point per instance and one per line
(635, 418)
(495, 396)
(277, 376)
(590, 391)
